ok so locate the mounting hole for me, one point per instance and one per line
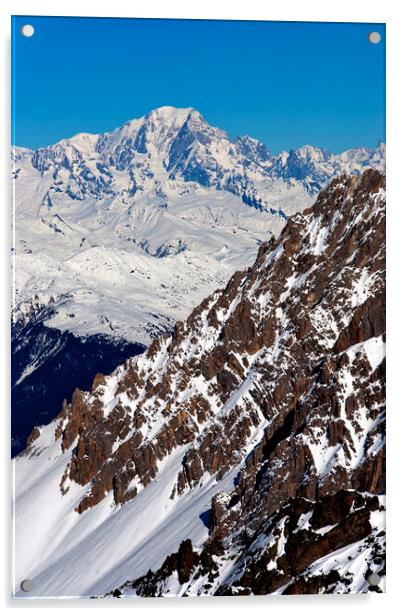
(26, 585)
(27, 30)
(374, 579)
(374, 37)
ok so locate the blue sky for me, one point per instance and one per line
(284, 83)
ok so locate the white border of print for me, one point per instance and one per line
(290, 10)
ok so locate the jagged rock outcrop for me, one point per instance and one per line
(278, 379)
(294, 551)
(285, 337)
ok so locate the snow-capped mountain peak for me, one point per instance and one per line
(310, 153)
(152, 134)
(164, 185)
(188, 148)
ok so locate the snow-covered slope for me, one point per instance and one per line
(244, 453)
(129, 230)
(136, 282)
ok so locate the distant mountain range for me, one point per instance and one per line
(93, 212)
(119, 235)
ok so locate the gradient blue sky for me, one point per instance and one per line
(284, 83)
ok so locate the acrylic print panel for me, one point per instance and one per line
(198, 308)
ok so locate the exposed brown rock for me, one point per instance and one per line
(33, 436)
(269, 376)
(337, 520)
(99, 379)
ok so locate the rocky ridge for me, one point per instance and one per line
(306, 547)
(279, 376)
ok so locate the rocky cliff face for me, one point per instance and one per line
(306, 547)
(279, 377)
